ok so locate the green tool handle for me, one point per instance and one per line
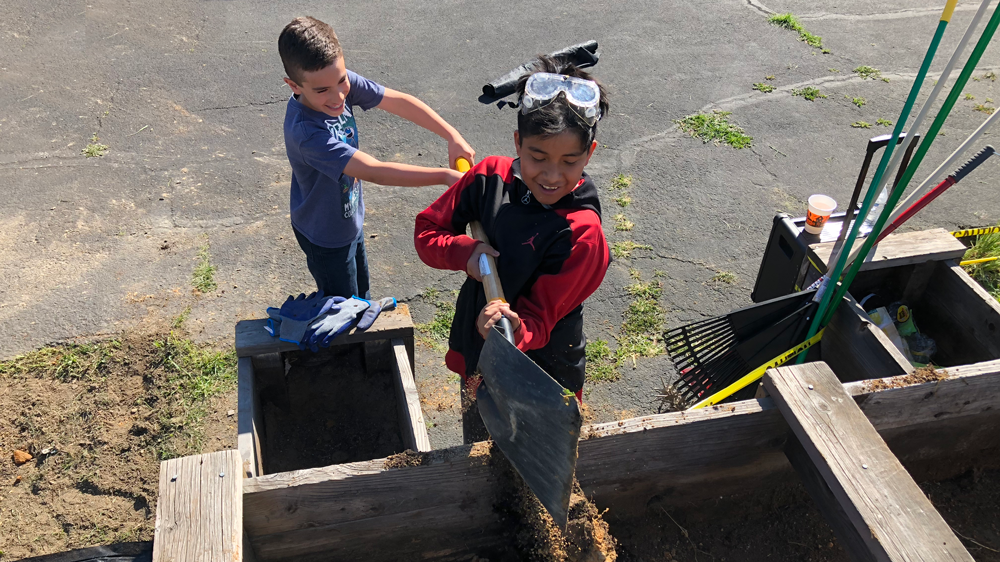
(879, 172)
(949, 103)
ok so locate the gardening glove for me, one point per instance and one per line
(291, 322)
(376, 308)
(323, 330)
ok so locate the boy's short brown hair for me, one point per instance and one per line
(307, 45)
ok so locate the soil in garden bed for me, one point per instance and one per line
(784, 526)
(327, 409)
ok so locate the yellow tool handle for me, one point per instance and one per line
(462, 165)
(980, 260)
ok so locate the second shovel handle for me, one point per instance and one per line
(491, 282)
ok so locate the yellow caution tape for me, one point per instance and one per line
(975, 231)
(757, 373)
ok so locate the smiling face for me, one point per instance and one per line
(324, 90)
(551, 166)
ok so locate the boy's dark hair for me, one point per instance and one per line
(557, 116)
(307, 45)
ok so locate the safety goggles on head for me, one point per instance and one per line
(583, 96)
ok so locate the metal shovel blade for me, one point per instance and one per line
(532, 419)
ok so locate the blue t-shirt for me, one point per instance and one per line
(326, 204)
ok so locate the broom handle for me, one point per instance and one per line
(949, 103)
(491, 281)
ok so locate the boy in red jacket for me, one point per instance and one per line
(542, 216)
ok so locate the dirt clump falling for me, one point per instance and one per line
(535, 536)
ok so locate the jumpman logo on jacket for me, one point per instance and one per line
(531, 242)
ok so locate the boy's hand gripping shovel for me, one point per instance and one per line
(530, 416)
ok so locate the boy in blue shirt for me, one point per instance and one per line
(321, 138)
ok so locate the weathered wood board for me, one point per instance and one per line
(873, 505)
(199, 511)
(411, 417)
(904, 248)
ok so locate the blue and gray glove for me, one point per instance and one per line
(291, 322)
(376, 308)
(324, 330)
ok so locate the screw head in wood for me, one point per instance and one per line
(864, 466)
(810, 387)
(222, 475)
(173, 478)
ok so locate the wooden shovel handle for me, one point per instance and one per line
(491, 282)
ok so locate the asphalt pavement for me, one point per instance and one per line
(188, 96)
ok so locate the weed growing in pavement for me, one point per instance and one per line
(984, 108)
(621, 182)
(600, 362)
(991, 76)
(833, 70)
(810, 93)
(625, 248)
(771, 77)
(203, 277)
(715, 127)
(861, 125)
(435, 333)
(622, 224)
(860, 102)
(762, 87)
(883, 122)
(724, 277)
(868, 73)
(95, 148)
(623, 200)
(788, 21)
(970, 97)
(989, 100)
(825, 51)
(986, 274)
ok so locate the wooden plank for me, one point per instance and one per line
(248, 420)
(904, 248)
(411, 417)
(679, 458)
(890, 517)
(252, 339)
(199, 511)
(856, 349)
(970, 315)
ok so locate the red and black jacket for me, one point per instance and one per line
(551, 259)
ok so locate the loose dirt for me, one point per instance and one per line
(96, 423)
(918, 376)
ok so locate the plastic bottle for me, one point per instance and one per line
(873, 214)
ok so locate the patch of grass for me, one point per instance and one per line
(715, 127)
(810, 93)
(826, 51)
(643, 324)
(623, 200)
(984, 108)
(95, 149)
(986, 274)
(622, 224)
(198, 372)
(63, 362)
(868, 73)
(989, 100)
(883, 122)
(724, 277)
(789, 21)
(833, 70)
(762, 87)
(861, 125)
(625, 248)
(771, 77)
(621, 182)
(181, 318)
(203, 278)
(436, 332)
(859, 101)
(970, 97)
(991, 76)
(600, 362)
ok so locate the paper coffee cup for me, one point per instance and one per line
(820, 209)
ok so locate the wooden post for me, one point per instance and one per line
(199, 512)
(870, 501)
(411, 417)
(248, 422)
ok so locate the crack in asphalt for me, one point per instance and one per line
(900, 14)
(760, 158)
(250, 104)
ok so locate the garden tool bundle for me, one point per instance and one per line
(714, 357)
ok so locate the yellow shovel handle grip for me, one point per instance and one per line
(462, 165)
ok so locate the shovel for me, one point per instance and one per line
(531, 417)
